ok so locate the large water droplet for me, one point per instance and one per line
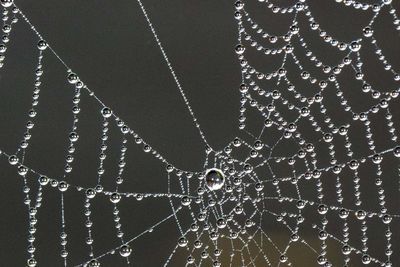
(42, 45)
(214, 179)
(125, 251)
(106, 112)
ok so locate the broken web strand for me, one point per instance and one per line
(178, 84)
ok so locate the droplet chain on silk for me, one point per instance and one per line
(229, 200)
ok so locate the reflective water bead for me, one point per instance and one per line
(355, 46)
(182, 242)
(115, 198)
(221, 223)
(343, 213)
(214, 179)
(7, 3)
(64, 253)
(248, 168)
(190, 260)
(204, 254)
(214, 235)
(3, 48)
(294, 237)
(22, 170)
(198, 244)
(301, 204)
(62, 186)
(323, 235)
(258, 145)
(239, 5)
(386, 219)
(31, 262)
(243, 88)
(268, 123)
(396, 151)
(6, 28)
(13, 160)
(53, 183)
(366, 259)
(346, 250)
(73, 137)
(237, 142)
(125, 251)
(361, 214)
(31, 249)
(89, 240)
(259, 187)
(106, 112)
(323, 209)
(90, 193)
(42, 45)
(283, 258)
(93, 263)
(169, 168)
(377, 158)
(367, 31)
(72, 78)
(43, 180)
(186, 201)
(240, 49)
(216, 263)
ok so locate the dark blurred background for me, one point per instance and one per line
(109, 45)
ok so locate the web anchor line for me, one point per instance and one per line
(92, 93)
(178, 84)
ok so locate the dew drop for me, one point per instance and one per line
(13, 160)
(355, 46)
(42, 45)
(221, 223)
(43, 180)
(106, 112)
(240, 49)
(115, 198)
(215, 179)
(93, 263)
(367, 31)
(73, 137)
(283, 258)
(7, 3)
(125, 251)
(366, 259)
(31, 262)
(182, 242)
(186, 201)
(62, 186)
(72, 78)
(90, 193)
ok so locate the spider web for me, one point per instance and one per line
(308, 161)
